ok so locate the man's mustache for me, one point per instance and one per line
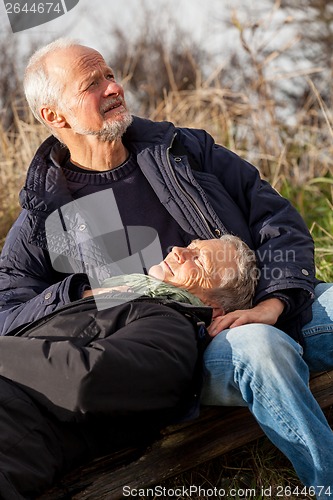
(112, 103)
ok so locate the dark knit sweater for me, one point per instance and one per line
(126, 181)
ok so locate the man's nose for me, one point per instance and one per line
(113, 88)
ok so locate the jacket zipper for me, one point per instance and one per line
(216, 233)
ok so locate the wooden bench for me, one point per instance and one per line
(180, 448)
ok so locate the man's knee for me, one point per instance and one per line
(250, 354)
(254, 346)
(259, 340)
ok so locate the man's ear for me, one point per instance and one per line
(52, 118)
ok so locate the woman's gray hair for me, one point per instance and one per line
(40, 89)
(238, 283)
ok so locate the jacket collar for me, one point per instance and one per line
(145, 134)
(46, 189)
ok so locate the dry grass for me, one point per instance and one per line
(17, 147)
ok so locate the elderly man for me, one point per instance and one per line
(185, 187)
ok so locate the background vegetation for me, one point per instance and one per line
(269, 99)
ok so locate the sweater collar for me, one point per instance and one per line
(45, 189)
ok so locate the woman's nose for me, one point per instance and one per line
(178, 254)
(182, 254)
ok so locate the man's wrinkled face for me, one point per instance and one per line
(197, 267)
(93, 102)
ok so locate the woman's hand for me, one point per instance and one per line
(99, 291)
(266, 312)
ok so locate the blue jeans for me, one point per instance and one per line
(261, 367)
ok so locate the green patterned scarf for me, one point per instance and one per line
(151, 287)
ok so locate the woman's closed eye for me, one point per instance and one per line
(198, 261)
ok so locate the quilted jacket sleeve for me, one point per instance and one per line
(249, 207)
(29, 287)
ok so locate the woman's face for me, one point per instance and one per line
(197, 267)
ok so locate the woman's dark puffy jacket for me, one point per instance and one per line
(225, 194)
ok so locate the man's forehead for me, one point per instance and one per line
(78, 58)
(88, 59)
(75, 66)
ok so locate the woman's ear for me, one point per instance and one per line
(217, 311)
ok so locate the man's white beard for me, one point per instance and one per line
(110, 131)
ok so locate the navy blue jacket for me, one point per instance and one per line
(225, 194)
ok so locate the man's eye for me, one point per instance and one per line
(110, 76)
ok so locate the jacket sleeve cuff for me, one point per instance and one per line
(77, 284)
(294, 299)
(286, 299)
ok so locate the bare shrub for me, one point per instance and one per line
(157, 60)
(10, 83)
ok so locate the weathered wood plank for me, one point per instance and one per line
(322, 387)
(181, 447)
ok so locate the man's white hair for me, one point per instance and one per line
(40, 89)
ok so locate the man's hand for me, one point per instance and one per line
(266, 312)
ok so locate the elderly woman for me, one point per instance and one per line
(220, 273)
(122, 372)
